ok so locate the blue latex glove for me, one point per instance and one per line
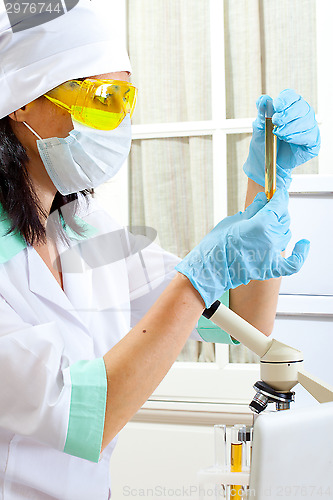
(297, 132)
(244, 247)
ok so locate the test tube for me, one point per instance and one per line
(270, 152)
(249, 439)
(236, 457)
(220, 438)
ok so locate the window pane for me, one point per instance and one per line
(237, 152)
(171, 190)
(241, 354)
(268, 49)
(310, 167)
(169, 46)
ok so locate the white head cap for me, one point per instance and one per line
(82, 42)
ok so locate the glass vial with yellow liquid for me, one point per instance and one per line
(236, 457)
(270, 152)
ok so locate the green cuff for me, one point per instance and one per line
(209, 332)
(87, 410)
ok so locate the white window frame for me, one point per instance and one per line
(223, 381)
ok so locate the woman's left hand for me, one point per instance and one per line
(244, 247)
(298, 137)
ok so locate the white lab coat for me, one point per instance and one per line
(43, 331)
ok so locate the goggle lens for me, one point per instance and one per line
(101, 104)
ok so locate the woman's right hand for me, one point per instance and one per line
(244, 247)
(297, 132)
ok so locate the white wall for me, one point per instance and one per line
(160, 460)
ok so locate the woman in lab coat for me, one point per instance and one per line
(91, 317)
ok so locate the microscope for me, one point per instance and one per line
(266, 472)
(281, 366)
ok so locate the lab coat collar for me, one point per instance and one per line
(13, 243)
(77, 293)
(76, 298)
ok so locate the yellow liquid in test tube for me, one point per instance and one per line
(270, 159)
(236, 466)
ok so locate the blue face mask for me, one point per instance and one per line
(87, 157)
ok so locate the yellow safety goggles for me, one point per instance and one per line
(101, 104)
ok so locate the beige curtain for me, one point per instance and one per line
(269, 45)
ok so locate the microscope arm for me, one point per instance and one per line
(322, 392)
(241, 330)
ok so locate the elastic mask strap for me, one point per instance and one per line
(32, 130)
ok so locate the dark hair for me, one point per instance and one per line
(19, 199)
